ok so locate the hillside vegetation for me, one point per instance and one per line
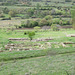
(37, 37)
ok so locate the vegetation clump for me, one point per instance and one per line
(55, 27)
(30, 35)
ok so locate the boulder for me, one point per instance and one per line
(69, 43)
(7, 47)
(71, 35)
(63, 44)
(10, 50)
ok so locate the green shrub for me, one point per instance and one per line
(37, 28)
(49, 22)
(43, 22)
(22, 24)
(29, 24)
(48, 17)
(56, 21)
(12, 13)
(54, 27)
(30, 35)
(5, 10)
(33, 23)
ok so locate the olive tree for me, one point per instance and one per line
(30, 35)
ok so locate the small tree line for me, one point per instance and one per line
(46, 21)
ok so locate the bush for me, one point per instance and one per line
(5, 10)
(65, 22)
(22, 24)
(49, 22)
(43, 22)
(12, 13)
(56, 21)
(36, 28)
(29, 24)
(30, 12)
(48, 17)
(33, 23)
(54, 27)
(30, 35)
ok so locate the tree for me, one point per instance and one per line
(48, 17)
(38, 6)
(55, 27)
(5, 10)
(12, 13)
(33, 23)
(30, 12)
(43, 22)
(73, 18)
(37, 28)
(30, 35)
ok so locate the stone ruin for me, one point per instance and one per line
(37, 46)
(19, 47)
(26, 39)
(18, 39)
(71, 35)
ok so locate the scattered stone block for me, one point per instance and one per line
(71, 35)
(18, 39)
(10, 50)
(69, 43)
(63, 44)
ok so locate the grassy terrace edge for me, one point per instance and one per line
(6, 56)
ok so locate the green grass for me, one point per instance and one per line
(47, 65)
(53, 61)
(59, 36)
(52, 3)
(14, 7)
(5, 56)
(21, 15)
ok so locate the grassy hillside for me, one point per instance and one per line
(51, 64)
(51, 51)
